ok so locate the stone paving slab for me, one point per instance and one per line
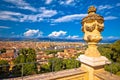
(107, 76)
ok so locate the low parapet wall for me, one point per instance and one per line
(71, 74)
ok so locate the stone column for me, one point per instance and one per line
(92, 25)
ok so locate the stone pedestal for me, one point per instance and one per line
(94, 61)
(93, 64)
(92, 50)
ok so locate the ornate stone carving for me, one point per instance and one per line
(90, 28)
(92, 61)
(92, 25)
(100, 28)
(91, 9)
(92, 16)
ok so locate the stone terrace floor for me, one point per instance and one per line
(107, 76)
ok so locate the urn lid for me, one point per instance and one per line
(92, 16)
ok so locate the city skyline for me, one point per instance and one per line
(55, 18)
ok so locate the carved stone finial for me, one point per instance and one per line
(92, 25)
(91, 9)
(92, 17)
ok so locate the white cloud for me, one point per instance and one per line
(118, 4)
(107, 13)
(32, 18)
(57, 34)
(8, 18)
(48, 13)
(62, 2)
(48, 1)
(8, 15)
(102, 7)
(33, 33)
(12, 32)
(22, 4)
(70, 18)
(52, 24)
(110, 18)
(39, 17)
(67, 2)
(73, 37)
(4, 27)
(15, 16)
(111, 37)
(29, 8)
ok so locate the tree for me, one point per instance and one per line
(115, 47)
(53, 51)
(31, 55)
(27, 58)
(105, 50)
(16, 71)
(45, 68)
(3, 50)
(56, 64)
(29, 69)
(112, 52)
(118, 73)
(4, 69)
(71, 63)
(114, 67)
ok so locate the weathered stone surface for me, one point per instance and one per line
(94, 61)
(59, 75)
(92, 16)
(104, 75)
(92, 25)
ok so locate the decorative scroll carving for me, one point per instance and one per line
(83, 28)
(91, 9)
(91, 18)
(90, 28)
(100, 28)
(92, 25)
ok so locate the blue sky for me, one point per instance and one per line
(55, 18)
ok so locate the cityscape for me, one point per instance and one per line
(59, 40)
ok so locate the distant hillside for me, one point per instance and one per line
(54, 39)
